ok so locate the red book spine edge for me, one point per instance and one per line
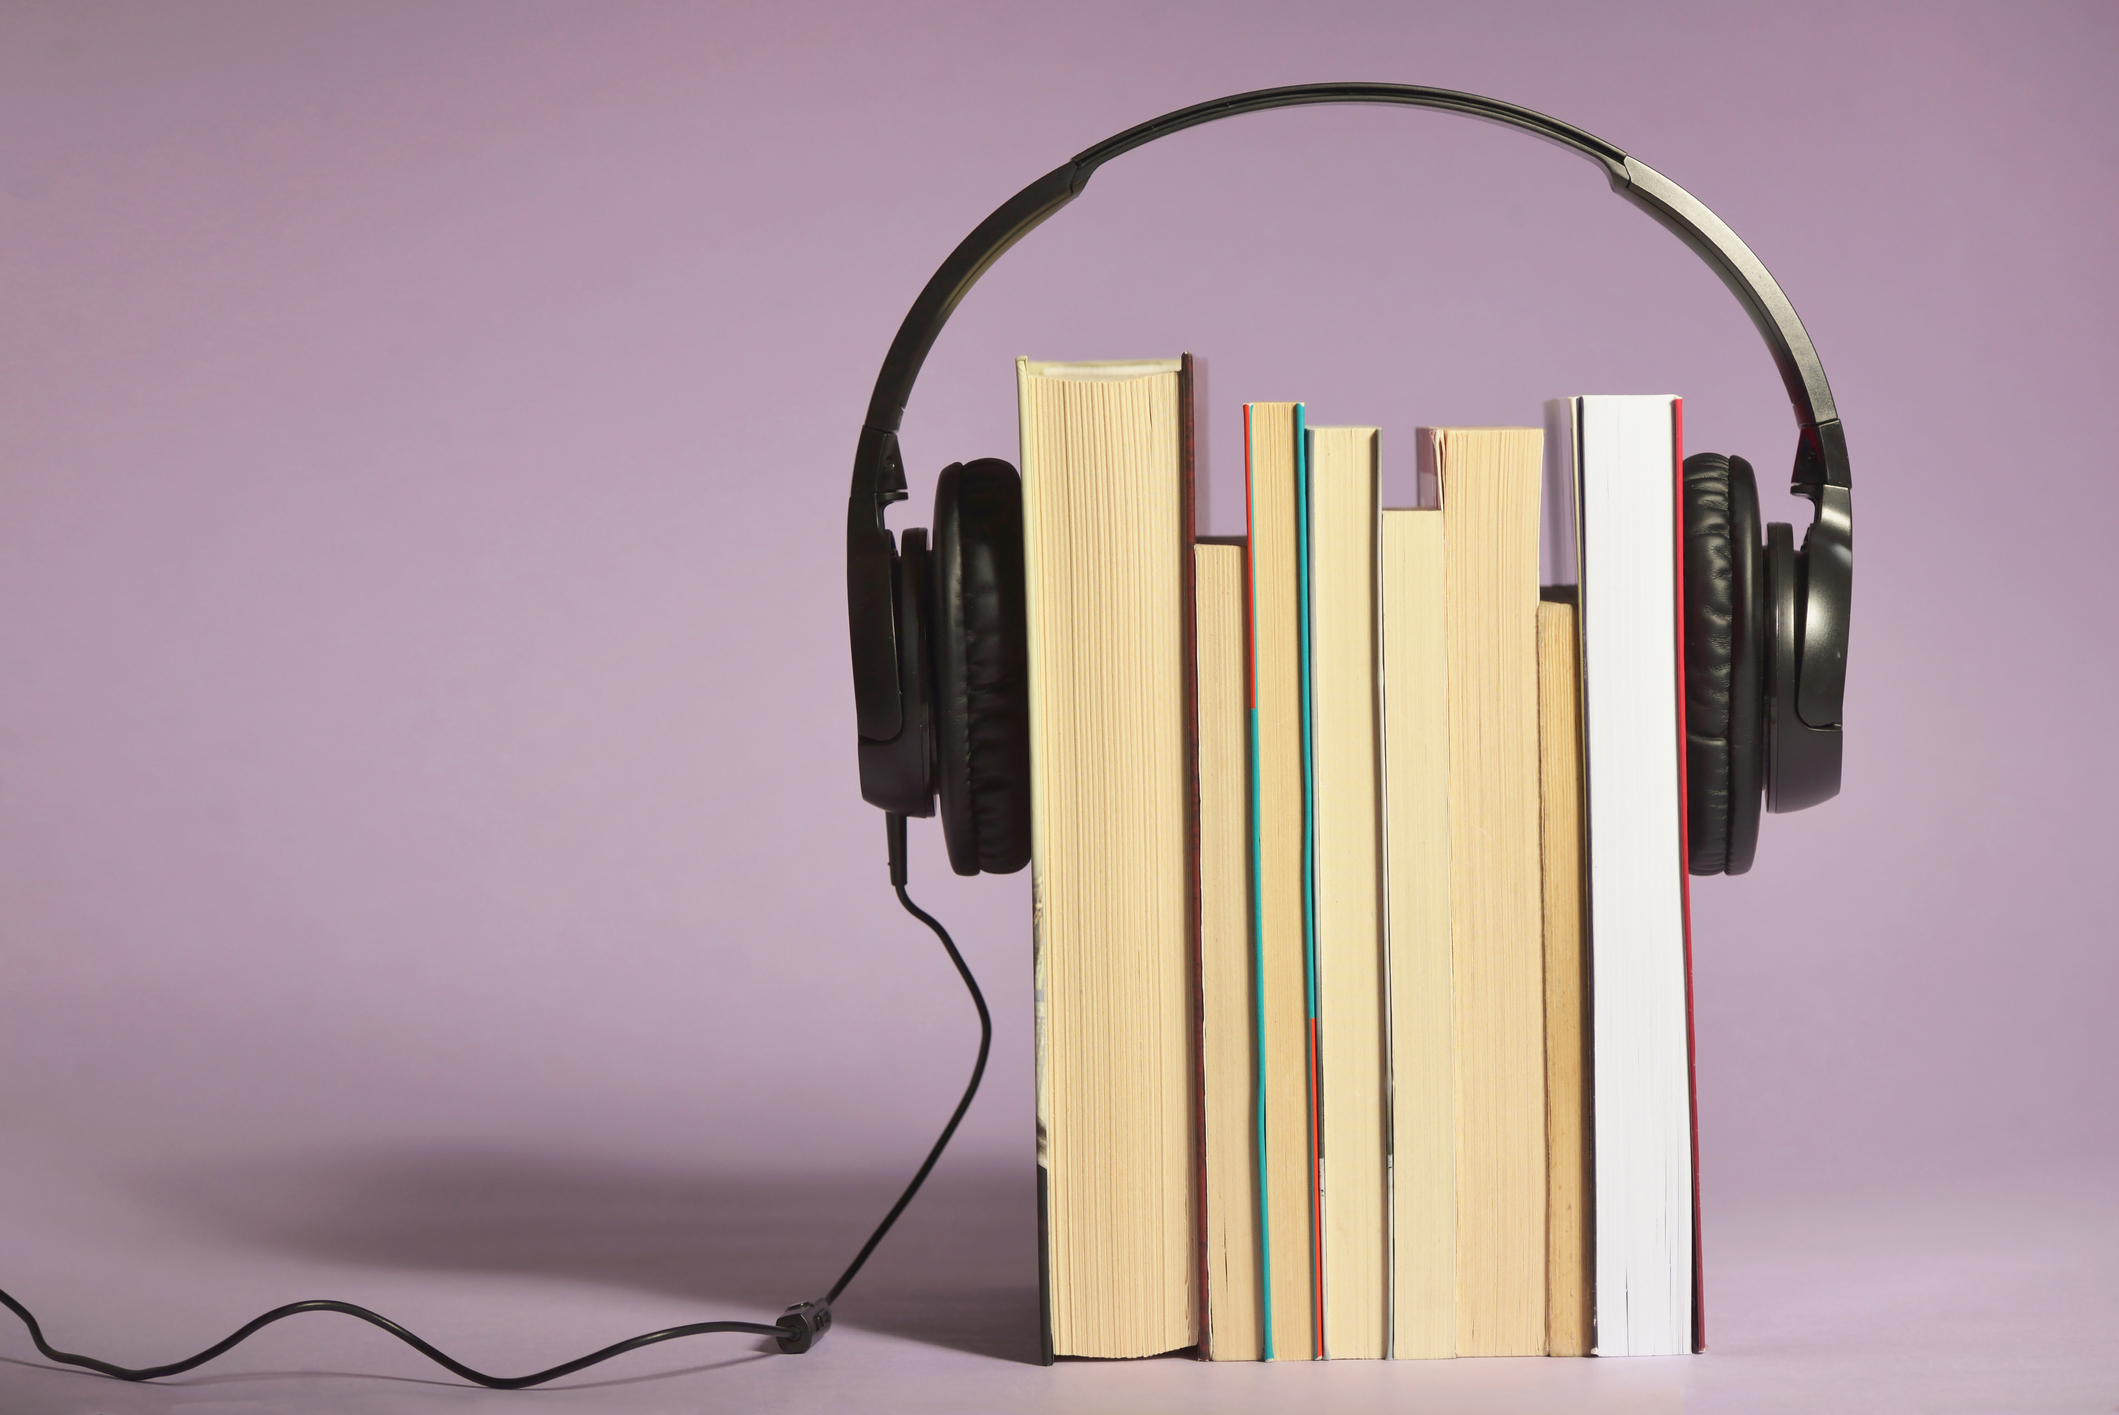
(1692, 1083)
(1251, 829)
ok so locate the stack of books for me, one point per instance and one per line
(1362, 960)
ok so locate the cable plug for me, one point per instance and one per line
(804, 1325)
(894, 824)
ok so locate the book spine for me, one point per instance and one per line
(1313, 1062)
(1256, 796)
(1286, 1141)
(1039, 957)
(1228, 1031)
(1188, 581)
(1383, 937)
(1568, 1301)
(1255, 801)
(1346, 846)
(1692, 1084)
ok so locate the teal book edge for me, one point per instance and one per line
(1304, 445)
(1309, 885)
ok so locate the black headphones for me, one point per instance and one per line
(940, 666)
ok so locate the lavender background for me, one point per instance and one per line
(431, 867)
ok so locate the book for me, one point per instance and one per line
(1626, 464)
(1422, 1048)
(1488, 480)
(1232, 1319)
(1274, 476)
(1567, 1231)
(1346, 873)
(1107, 531)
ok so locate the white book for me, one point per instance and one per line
(1625, 453)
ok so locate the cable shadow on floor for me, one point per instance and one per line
(958, 1271)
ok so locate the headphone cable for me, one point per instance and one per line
(800, 1328)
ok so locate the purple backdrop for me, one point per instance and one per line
(425, 731)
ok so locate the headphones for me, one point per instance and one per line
(940, 663)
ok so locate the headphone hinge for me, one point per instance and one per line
(1820, 459)
(871, 574)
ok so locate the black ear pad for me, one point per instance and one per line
(1724, 652)
(981, 668)
(1747, 668)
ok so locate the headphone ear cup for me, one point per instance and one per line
(1725, 618)
(1747, 668)
(982, 668)
(1710, 619)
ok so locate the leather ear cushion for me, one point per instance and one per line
(982, 668)
(1710, 642)
(1747, 673)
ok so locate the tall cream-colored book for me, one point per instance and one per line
(1347, 858)
(1273, 483)
(1488, 481)
(1422, 1046)
(1107, 560)
(1568, 1274)
(1233, 1319)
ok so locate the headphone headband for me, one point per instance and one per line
(1822, 460)
(1806, 768)
(1405, 95)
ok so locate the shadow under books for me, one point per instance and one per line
(959, 1270)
